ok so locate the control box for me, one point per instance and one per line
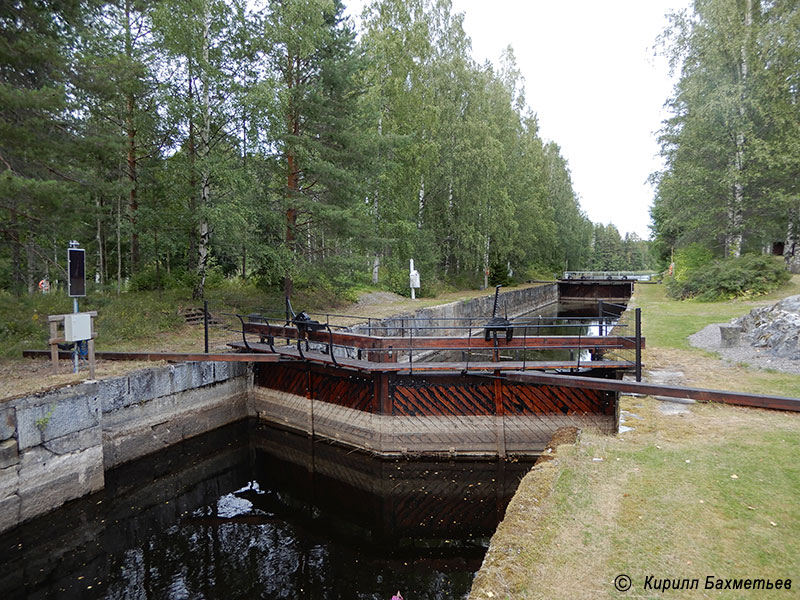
(77, 327)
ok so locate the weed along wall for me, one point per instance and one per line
(56, 445)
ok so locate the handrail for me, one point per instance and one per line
(244, 337)
(330, 345)
(391, 348)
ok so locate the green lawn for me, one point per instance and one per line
(668, 323)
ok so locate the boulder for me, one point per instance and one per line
(776, 327)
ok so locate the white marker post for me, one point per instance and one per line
(413, 277)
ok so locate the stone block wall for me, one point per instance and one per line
(513, 303)
(56, 445)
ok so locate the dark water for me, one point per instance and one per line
(251, 512)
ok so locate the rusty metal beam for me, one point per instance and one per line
(650, 389)
(181, 356)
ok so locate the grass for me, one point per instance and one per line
(668, 323)
(663, 501)
(710, 491)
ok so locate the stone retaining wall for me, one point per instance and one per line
(56, 445)
(514, 303)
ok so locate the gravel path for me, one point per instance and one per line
(708, 338)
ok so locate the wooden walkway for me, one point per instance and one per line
(169, 356)
(670, 391)
(465, 343)
(367, 366)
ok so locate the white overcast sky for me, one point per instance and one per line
(592, 79)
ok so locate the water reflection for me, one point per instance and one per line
(252, 512)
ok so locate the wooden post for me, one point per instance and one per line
(54, 345)
(638, 323)
(55, 340)
(499, 412)
(90, 346)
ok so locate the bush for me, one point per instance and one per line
(689, 259)
(150, 279)
(498, 275)
(747, 276)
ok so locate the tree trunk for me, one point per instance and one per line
(736, 206)
(16, 259)
(292, 177)
(486, 263)
(130, 129)
(791, 249)
(30, 274)
(205, 176)
(421, 207)
(733, 237)
(119, 245)
(376, 264)
(100, 266)
(158, 260)
(291, 220)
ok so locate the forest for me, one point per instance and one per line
(184, 141)
(731, 184)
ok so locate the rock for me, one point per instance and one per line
(730, 335)
(776, 328)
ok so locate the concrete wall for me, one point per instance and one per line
(513, 303)
(56, 445)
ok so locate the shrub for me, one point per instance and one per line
(689, 259)
(746, 276)
(498, 275)
(150, 279)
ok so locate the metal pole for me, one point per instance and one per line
(600, 314)
(205, 322)
(638, 313)
(76, 345)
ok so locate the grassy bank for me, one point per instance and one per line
(707, 490)
(668, 323)
(710, 492)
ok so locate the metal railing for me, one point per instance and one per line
(614, 275)
(420, 340)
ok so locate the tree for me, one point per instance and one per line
(309, 47)
(730, 145)
(40, 181)
(199, 37)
